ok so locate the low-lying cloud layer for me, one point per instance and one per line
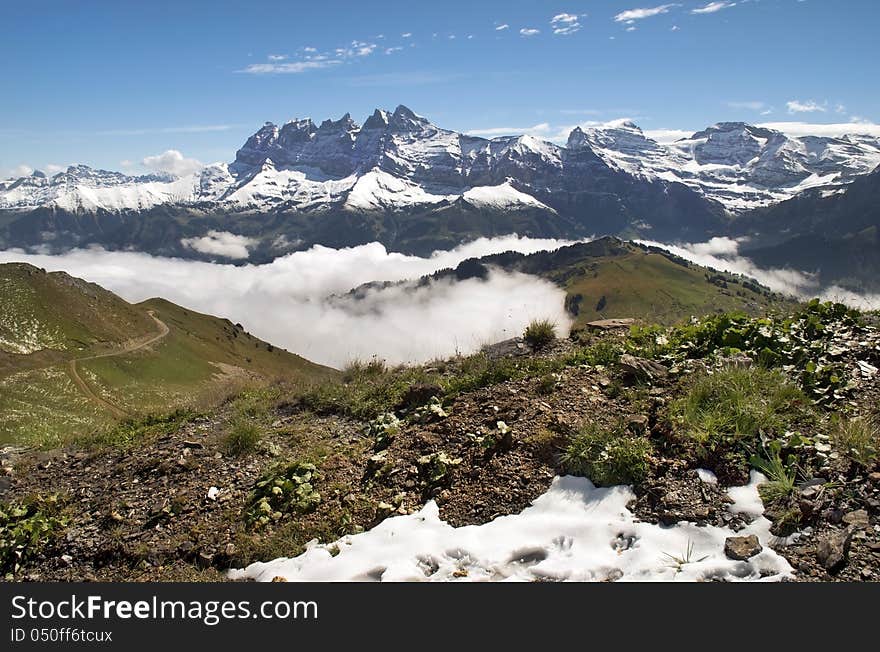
(299, 301)
(723, 254)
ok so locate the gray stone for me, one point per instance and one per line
(858, 519)
(742, 548)
(641, 369)
(610, 324)
(832, 551)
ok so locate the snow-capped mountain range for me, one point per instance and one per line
(400, 161)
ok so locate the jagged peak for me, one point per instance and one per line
(345, 123)
(378, 120)
(406, 119)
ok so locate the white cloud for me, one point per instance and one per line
(406, 35)
(712, 7)
(396, 48)
(277, 57)
(668, 135)
(502, 27)
(21, 171)
(808, 106)
(173, 162)
(750, 105)
(541, 129)
(53, 168)
(565, 24)
(221, 243)
(638, 14)
(529, 31)
(832, 130)
(294, 67)
(304, 293)
(309, 49)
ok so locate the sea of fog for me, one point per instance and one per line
(298, 301)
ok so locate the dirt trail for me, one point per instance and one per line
(130, 347)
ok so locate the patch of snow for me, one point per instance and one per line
(503, 196)
(574, 532)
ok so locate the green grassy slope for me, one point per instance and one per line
(652, 287)
(76, 358)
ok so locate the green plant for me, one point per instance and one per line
(540, 333)
(859, 439)
(138, 430)
(781, 474)
(548, 383)
(678, 561)
(25, 528)
(734, 405)
(434, 468)
(243, 436)
(281, 492)
(384, 429)
(607, 456)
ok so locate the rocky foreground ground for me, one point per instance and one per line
(188, 498)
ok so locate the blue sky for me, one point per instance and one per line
(114, 84)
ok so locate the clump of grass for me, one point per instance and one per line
(781, 476)
(736, 404)
(138, 430)
(607, 456)
(859, 439)
(360, 368)
(243, 437)
(540, 333)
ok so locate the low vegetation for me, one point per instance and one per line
(282, 492)
(607, 456)
(735, 405)
(25, 529)
(540, 333)
(859, 439)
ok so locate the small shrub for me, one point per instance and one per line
(548, 383)
(540, 333)
(281, 492)
(25, 528)
(607, 456)
(737, 404)
(434, 468)
(243, 436)
(858, 439)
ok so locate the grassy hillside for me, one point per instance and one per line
(75, 358)
(609, 278)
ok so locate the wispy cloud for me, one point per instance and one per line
(806, 106)
(565, 24)
(749, 105)
(712, 7)
(631, 15)
(294, 67)
(396, 48)
(501, 27)
(541, 129)
(277, 57)
(406, 35)
(529, 31)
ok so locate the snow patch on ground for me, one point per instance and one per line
(574, 532)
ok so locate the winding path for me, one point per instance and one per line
(130, 347)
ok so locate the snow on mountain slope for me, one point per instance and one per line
(399, 160)
(736, 164)
(502, 197)
(378, 190)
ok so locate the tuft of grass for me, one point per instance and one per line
(781, 476)
(607, 456)
(540, 333)
(678, 562)
(859, 439)
(243, 437)
(138, 430)
(359, 368)
(737, 404)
